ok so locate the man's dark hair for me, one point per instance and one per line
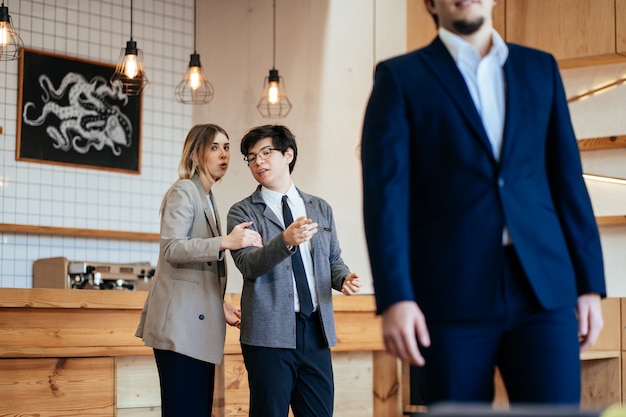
(282, 139)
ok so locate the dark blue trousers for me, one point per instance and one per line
(536, 350)
(302, 377)
(186, 385)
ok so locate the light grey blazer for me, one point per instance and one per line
(267, 307)
(184, 309)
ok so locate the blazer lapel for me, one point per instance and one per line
(213, 216)
(437, 58)
(215, 231)
(514, 100)
(257, 198)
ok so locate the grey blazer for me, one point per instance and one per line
(184, 309)
(267, 307)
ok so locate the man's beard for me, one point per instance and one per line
(468, 28)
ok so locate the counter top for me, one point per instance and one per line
(42, 322)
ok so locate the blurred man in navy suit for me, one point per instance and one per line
(482, 240)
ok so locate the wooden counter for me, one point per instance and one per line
(74, 353)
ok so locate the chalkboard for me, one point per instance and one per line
(70, 114)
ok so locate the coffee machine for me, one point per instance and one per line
(62, 273)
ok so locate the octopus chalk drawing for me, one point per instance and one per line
(87, 112)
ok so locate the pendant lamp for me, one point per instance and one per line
(11, 45)
(129, 74)
(274, 103)
(194, 88)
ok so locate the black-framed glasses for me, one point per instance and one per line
(263, 154)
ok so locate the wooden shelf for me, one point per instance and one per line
(610, 220)
(77, 232)
(608, 142)
(588, 355)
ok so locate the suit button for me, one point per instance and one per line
(209, 263)
(290, 295)
(201, 316)
(500, 182)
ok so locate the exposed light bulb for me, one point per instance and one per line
(131, 68)
(273, 95)
(195, 78)
(4, 33)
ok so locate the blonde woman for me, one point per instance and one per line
(184, 318)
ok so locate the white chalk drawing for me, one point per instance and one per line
(88, 113)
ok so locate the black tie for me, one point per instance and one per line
(302, 285)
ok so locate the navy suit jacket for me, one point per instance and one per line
(436, 199)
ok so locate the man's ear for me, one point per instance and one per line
(289, 152)
(430, 6)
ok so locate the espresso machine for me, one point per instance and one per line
(62, 273)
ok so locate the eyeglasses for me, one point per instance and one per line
(263, 154)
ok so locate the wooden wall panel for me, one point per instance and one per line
(569, 29)
(623, 329)
(601, 385)
(137, 382)
(420, 27)
(354, 384)
(68, 332)
(610, 337)
(139, 412)
(388, 384)
(620, 26)
(623, 367)
(50, 387)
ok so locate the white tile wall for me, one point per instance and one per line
(48, 195)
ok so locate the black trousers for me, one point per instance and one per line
(302, 377)
(186, 385)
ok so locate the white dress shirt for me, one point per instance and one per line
(484, 77)
(274, 201)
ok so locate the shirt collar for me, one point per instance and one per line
(461, 50)
(275, 198)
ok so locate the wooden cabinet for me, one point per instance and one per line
(577, 32)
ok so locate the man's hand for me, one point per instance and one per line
(351, 284)
(589, 319)
(403, 325)
(232, 315)
(300, 231)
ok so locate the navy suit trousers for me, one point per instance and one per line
(536, 350)
(300, 377)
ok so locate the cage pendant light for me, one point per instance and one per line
(129, 74)
(11, 45)
(274, 102)
(194, 87)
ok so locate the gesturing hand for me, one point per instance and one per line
(300, 231)
(351, 285)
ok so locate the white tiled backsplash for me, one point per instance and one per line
(63, 196)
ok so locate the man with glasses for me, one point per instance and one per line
(287, 322)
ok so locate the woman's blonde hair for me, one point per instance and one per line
(199, 138)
